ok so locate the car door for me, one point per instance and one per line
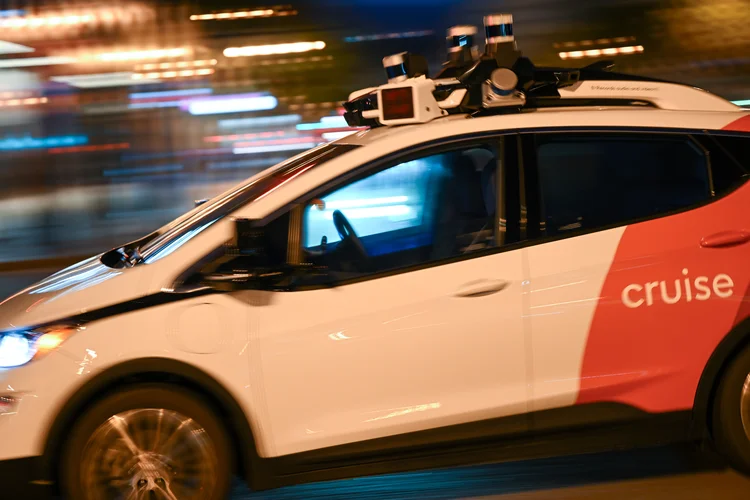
(428, 334)
(632, 281)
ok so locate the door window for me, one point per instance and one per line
(427, 209)
(730, 159)
(588, 181)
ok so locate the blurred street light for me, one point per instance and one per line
(231, 104)
(598, 41)
(140, 55)
(610, 51)
(232, 15)
(180, 64)
(279, 48)
(173, 74)
(277, 10)
(99, 80)
(29, 101)
(64, 20)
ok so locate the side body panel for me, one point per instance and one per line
(638, 310)
(209, 333)
(666, 305)
(564, 292)
(392, 355)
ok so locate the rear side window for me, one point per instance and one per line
(730, 159)
(588, 181)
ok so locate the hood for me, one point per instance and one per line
(83, 287)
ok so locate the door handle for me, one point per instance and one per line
(726, 239)
(482, 288)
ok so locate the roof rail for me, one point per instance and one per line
(663, 95)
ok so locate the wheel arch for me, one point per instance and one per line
(732, 344)
(159, 370)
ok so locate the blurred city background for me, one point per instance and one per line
(116, 116)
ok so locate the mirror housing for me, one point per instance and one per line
(246, 263)
(249, 239)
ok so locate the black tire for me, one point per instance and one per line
(170, 398)
(731, 439)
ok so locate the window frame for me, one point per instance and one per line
(517, 153)
(537, 234)
(507, 199)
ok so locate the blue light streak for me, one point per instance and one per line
(231, 104)
(325, 123)
(156, 169)
(28, 142)
(171, 93)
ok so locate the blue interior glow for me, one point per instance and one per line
(389, 200)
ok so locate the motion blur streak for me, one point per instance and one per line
(94, 87)
(610, 51)
(170, 93)
(13, 48)
(233, 15)
(267, 50)
(84, 149)
(172, 74)
(35, 61)
(91, 81)
(143, 54)
(232, 104)
(272, 149)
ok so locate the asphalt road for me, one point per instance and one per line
(663, 473)
(668, 473)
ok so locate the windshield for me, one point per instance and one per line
(170, 237)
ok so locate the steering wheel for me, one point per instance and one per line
(346, 233)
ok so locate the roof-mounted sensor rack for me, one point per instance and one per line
(501, 80)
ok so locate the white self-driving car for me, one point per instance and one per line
(504, 252)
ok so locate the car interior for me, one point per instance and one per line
(452, 214)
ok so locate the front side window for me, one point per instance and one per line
(588, 181)
(422, 210)
(170, 237)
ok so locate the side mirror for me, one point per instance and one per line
(248, 262)
(249, 239)
(245, 262)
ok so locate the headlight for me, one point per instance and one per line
(20, 347)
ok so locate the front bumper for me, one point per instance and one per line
(19, 479)
(24, 426)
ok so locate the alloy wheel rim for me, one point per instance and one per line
(149, 454)
(745, 406)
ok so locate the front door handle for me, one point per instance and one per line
(726, 239)
(482, 288)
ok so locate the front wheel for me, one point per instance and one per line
(731, 418)
(150, 442)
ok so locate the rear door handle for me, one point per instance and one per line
(726, 239)
(482, 288)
